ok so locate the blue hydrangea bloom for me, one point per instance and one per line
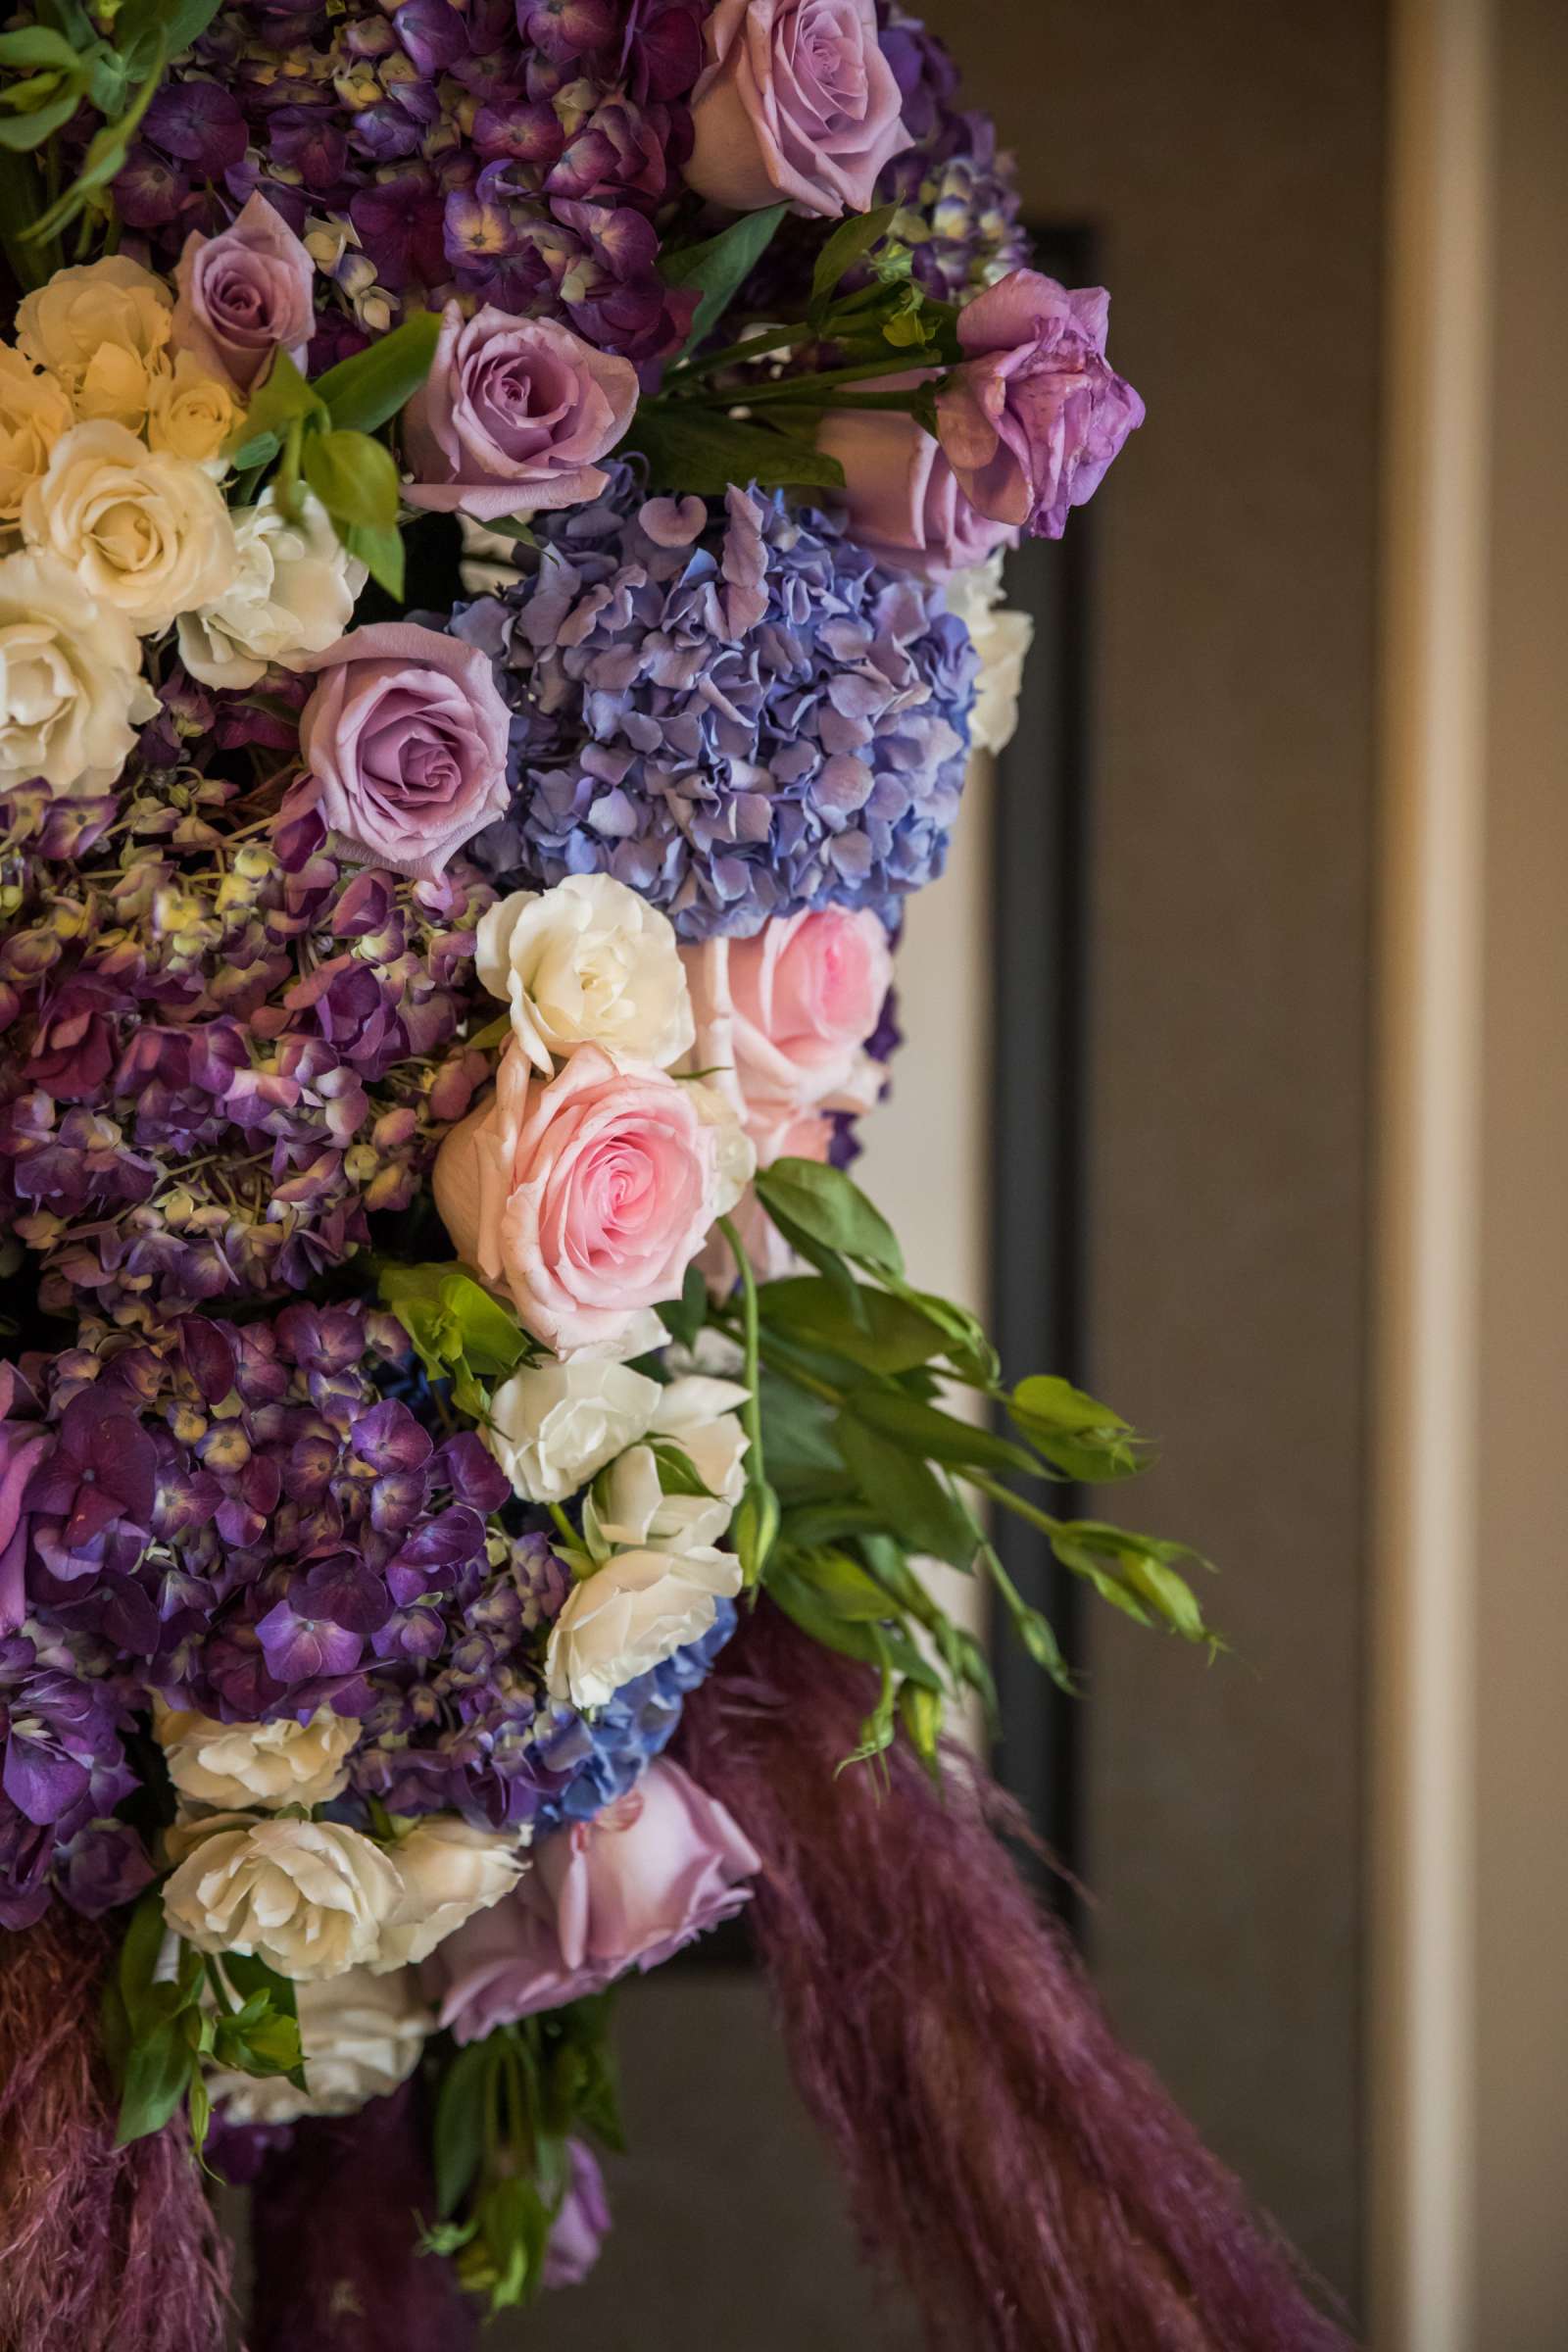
(604, 1755)
(738, 715)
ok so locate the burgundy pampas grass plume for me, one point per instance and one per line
(99, 2246)
(1033, 2182)
(334, 2237)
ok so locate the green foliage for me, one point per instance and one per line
(460, 1332)
(705, 452)
(718, 266)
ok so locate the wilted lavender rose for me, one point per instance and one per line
(904, 503)
(404, 743)
(512, 415)
(245, 294)
(1032, 418)
(652, 1872)
(579, 2229)
(798, 102)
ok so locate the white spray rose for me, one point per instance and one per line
(309, 1897)
(144, 531)
(292, 595)
(553, 1427)
(360, 2037)
(588, 962)
(35, 411)
(1001, 639)
(449, 1870)
(238, 1764)
(630, 1615)
(192, 413)
(72, 692)
(103, 330)
(701, 1417)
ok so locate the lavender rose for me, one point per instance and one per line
(1032, 419)
(513, 416)
(796, 101)
(904, 503)
(245, 294)
(404, 743)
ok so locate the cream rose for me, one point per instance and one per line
(588, 962)
(309, 1897)
(449, 1871)
(292, 595)
(103, 330)
(35, 411)
(1002, 638)
(361, 2035)
(192, 413)
(72, 692)
(234, 1765)
(553, 1427)
(630, 1615)
(701, 1417)
(144, 531)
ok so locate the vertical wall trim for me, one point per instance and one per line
(1426, 1340)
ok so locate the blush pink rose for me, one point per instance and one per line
(797, 102)
(1033, 417)
(788, 1011)
(512, 415)
(905, 503)
(629, 1888)
(585, 1197)
(244, 294)
(404, 744)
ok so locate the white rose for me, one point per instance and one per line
(632, 1614)
(698, 1415)
(35, 411)
(1001, 639)
(142, 531)
(104, 330)
(292, 595)
(192, 413)
(552, 1427)
(234, 1765)
(361, 2035)
(309, 1897)
(72, 692)
(588, 962)
(449, 1870)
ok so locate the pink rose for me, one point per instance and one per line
(905, 506)
(787, 1013)
(1031, 422)
(585, 1197)
(796, 101)
(244, 294)
(512, 415)
(650, 1873)
(404, 743)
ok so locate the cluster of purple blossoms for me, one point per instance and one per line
(219, 1055)
(739, 715)
(958, 197)
(512, 150)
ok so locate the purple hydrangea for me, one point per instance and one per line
(957, 195)
(739, 715)
(63, 1771)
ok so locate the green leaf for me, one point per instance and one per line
(355, 478)
(683, 1317)
(875, 1330)
(158, 2070)
(379, 551)
(915, 1503)
(364, 390)
(872, 1643)
(718, 266)
(938, 1436)
(178, 22)
(22, 132)
(704, 452)
(281, 396)
(822, 1202)
(460, 2124)
(1082, 1438)
(844, 248)
(454, 1318)
(35, 45)
(105, 155)
(146, 2001)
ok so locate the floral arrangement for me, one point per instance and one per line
(446, 1355)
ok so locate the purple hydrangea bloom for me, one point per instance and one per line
(739, 716)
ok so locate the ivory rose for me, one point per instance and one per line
(1002, 638)
(700, 1416)
(513, 416)
(309, 1897)
(588, 962)
(292, 594)
(191, 414)
(241, 1764)
(904, 503)
(586, 1196)
(244, 294)
(449, 1870)
(34, 413)
(553, 1426)
(72, 692)
(650, 1873)
(404, 744)
(103, 329)
(359, 2035)
(796, 101)
(630, 1615)
(144, 531)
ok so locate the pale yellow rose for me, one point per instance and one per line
(35, 411)
(192, 413)
(142, 529)
(121, 386)
(73, 323)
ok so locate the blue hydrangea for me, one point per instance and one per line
(604, 1754)
(739, 715)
